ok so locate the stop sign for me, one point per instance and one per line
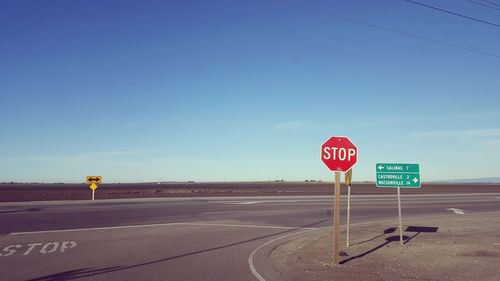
(339, 154)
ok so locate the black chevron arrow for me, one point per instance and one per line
(94, 179)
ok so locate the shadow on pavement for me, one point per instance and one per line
(387, 241)
(86, 272)
(387, 231)
(77, 273)
(406, 239)
(21, 211)
(420, 229)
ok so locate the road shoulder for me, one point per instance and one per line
(451, 247)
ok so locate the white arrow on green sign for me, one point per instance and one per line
(398, 175)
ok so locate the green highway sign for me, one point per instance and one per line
(398, 175)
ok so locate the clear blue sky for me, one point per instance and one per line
(244, 90)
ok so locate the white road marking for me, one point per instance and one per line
(159, 225)
(31, 247)
(220, 212)
(250, 258)
(46, 247)
(411, 198)
(251, 226)
(271, 201)
(43, 248)
(456, 211)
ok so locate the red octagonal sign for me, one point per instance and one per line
(339, 154)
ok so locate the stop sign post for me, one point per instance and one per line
(339, 154)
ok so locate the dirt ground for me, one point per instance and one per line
(448, 247)
(14, 192)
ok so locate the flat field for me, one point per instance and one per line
(36, 192)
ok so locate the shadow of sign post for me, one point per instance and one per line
(420, 229)
(387, 241)
(416, 229)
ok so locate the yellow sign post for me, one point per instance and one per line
(93, 181)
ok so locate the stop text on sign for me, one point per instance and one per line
(339, 153)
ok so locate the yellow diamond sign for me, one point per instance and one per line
(93, 186)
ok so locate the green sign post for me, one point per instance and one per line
(398, 175)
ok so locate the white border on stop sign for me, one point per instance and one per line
(321, 153)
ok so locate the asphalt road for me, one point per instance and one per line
(211, 238)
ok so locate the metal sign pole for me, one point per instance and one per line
(348, 212)
(348, 181)
(336, 219)
(400, 220)
(93, 192)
